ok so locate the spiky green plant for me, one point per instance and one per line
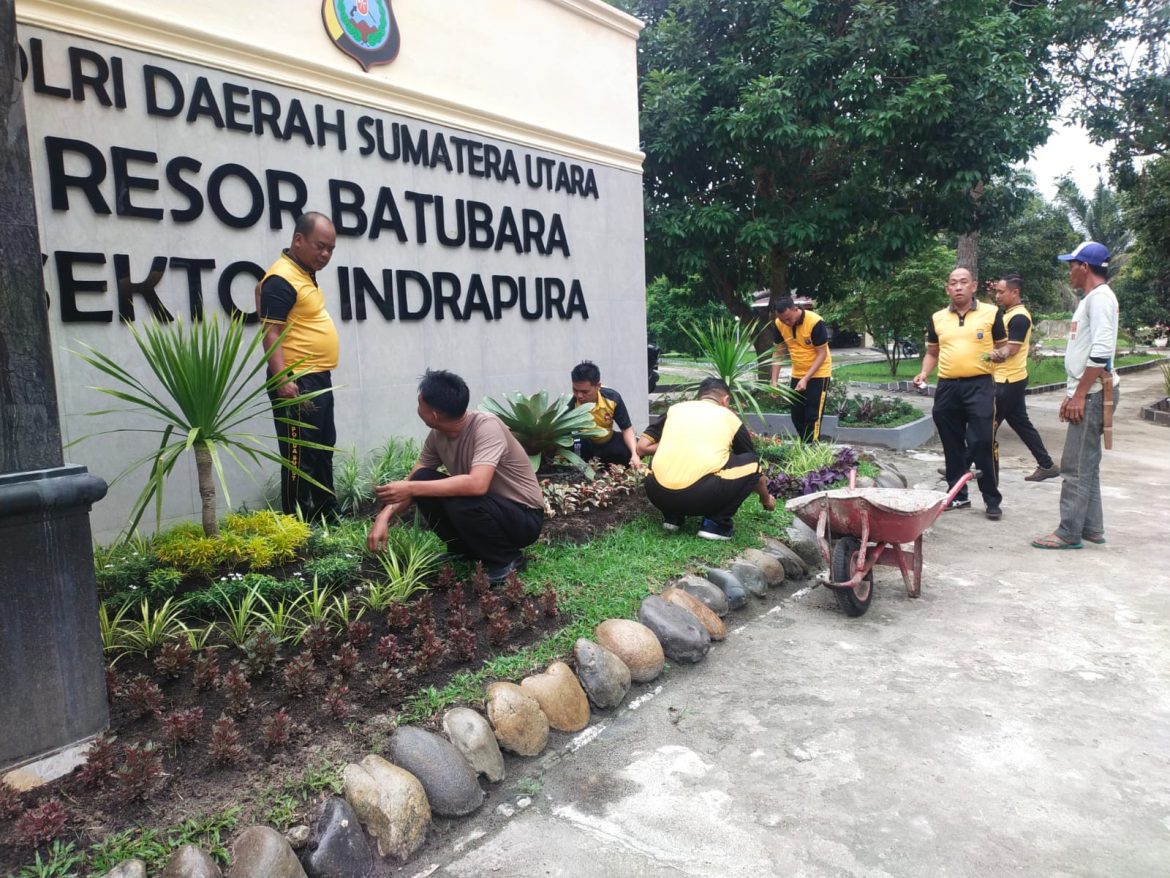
(410, 557)
(152, 627)
(544, 429)
(393, 461)
(207, 374)
(727, 345)
(350, 485)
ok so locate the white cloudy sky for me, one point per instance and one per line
(1068, 151)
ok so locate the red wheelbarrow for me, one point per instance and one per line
(871, 526)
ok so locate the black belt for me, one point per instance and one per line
(968, 377)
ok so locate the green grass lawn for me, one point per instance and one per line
(877, 372)
(1050, 370)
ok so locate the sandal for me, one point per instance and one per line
(1052, 541)
(1095, 539)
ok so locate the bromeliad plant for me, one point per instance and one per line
(207, 373)
(727, 345)
(545, 430)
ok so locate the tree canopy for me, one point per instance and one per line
(1122, 85)
(791, 143)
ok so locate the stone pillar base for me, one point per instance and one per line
(52, 691)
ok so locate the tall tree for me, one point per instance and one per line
(1122, 82)
(898, 304)
(1097, 217)
(1025, 241)
(787, 138)
(1143, 288)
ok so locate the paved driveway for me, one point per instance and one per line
(1014, 720)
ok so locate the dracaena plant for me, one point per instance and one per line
(728, 347)
(546, 430)
(199, 388)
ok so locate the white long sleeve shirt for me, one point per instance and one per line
(1092, 337)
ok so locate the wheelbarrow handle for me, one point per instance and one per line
(961, 483)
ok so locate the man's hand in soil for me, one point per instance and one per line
(380, 530)
(635, 461)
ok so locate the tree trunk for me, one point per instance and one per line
(206, 489)
(968, 253)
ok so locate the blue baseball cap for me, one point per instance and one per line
(1090, 252)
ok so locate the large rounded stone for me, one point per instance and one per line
(794, 566)
(128, 869)
(707, 592)
(339, 848)
(682, 635)
(560, 696)
(751, 577)
(604, 677)
(891, 478)
(737, 595)
(473, 737)
(635, 645)
(770, 566)
(190, 861)
(802, 539)
(261, 850)
(390, 803)
(519, 723)
(450, 783)
(679, 598)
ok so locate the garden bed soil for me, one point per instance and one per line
(192, 785)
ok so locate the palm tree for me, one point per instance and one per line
(1097, 217)
(207, 373)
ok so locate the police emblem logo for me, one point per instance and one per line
(366, 30)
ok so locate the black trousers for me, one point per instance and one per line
(490, 529)
(1010, 406)
(964, 413)
(613, 451)
(295, 492)
(711, 496)
(808, 407)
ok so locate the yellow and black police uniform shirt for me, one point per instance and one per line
(802, 340)
(1019, 328)
(695, 439)
(289, 295)
(965, 341)
(607, 411)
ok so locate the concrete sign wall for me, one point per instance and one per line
(166, 184)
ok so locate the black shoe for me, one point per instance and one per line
(959, 504)
(672, 523)
(994, 513)
(499, 574)
(1043, 472)
(712, 530)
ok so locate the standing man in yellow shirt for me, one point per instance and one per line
(961, 340)
(288, 296)
(1011, 376)
(806, 337)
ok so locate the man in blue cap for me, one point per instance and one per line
(1089, 401)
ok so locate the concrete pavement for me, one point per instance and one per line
(1015, 719)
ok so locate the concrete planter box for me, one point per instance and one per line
(900, 438)
(1158, 412)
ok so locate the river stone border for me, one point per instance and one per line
(401, 823)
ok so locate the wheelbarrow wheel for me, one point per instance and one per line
(854, 601)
